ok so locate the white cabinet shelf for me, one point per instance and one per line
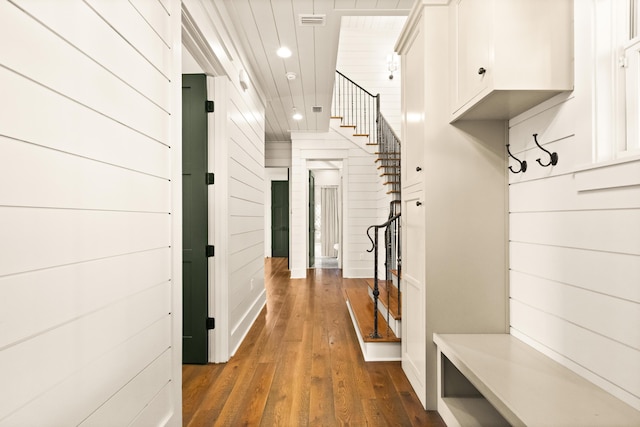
(509, 55)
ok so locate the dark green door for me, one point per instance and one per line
(194, 219)
(312, 219)
(280, 218)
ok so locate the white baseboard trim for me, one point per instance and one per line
(298, 273)
(244, 325)
(357, 273)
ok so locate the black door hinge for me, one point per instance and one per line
(209, 105)
(210, 178)
(210, 251)
(211, 323)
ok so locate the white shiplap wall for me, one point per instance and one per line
(359, 199)
(575, 239)
(89, 143)
(246, 212)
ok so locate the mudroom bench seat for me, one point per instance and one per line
(498, 380)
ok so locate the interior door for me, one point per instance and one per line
(194, 219)
(312, 219)
(280, 218)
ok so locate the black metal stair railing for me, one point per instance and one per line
(389, 152)
(360, 109)
(356, 106)
(393, 261)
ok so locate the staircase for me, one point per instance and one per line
(374, 304)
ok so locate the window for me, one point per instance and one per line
(617, 79)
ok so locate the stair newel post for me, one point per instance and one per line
(376, 290)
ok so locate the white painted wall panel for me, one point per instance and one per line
(54, 296)
(607, 273)
(125, 406)
(105, 46)
(67, 236)
(575, 237)
(85, 82)
(612, 231)
(58, 180)
(133, 26)
(42, 363)
(604, 357)
(89, 136)
(602, 314)
(65, 126)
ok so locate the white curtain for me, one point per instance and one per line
(329, 219)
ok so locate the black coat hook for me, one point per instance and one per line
(523, 163)
(554, 156)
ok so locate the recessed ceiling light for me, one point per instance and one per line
(291, 75)
(284, 52)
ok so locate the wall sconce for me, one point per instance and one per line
(392, 64)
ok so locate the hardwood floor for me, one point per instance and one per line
(299, 365)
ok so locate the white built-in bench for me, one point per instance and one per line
(498, 380)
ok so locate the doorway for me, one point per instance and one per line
(325, 214)
(280, 218)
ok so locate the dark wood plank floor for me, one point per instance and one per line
(299, 365)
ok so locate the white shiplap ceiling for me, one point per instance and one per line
(265, 25)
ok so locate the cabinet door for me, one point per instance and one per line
(413, 112)
(414, 327)
(473, 32)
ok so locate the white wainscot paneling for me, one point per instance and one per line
(33, 302)
(125, 380)
(57, 65)
(607, 273)
(243, 240)
(135, 29)
(105, 46)
(612, 176)
(81, 350)
(158, 411)
(611, 231)
(243, 151)
(246, 191)
(561, 193)
(552, 120)
(55, 179)
(63, 236)
(601, 356)
(240, 207)
(602, 314)
(126, 405)
(68, 126)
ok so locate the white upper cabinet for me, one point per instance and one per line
(509, 55)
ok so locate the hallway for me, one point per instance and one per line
(300, 364)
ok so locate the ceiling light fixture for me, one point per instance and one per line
(291, 75)
(284, 52)
(296, 115)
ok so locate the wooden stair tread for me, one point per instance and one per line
(348, 126)
(383, 288)
(362, 307)
(361, 134)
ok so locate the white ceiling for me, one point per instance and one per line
(265, 25)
